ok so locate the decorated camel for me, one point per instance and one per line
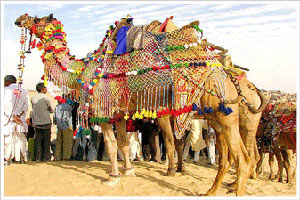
(156, 71)
(277, 135)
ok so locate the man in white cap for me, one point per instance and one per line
(15, 127)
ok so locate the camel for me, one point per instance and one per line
(281, 138)
(172, 75)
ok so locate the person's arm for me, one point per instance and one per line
(50, 107)
(70, 108)
(54, 117)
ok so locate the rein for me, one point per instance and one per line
(21, 66)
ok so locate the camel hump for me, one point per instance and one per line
(168, 26)
(194, 23)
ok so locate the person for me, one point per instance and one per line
(210, 142)
(62, 118)
(30, 139)
(150, 139)
(195, 139)
(162, 146)
(15, 127)
(135, 150)
(41, 121)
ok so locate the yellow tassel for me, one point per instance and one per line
(150, 114)
(143, 111)
(154, 115)
(137, 115)
(45, 81)
(126, 117)
(133, 117)
(141, 116)
(146, 113)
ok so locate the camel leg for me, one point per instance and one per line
(123, 144)
(179, 148)
(240, 156)
(165, 124)
(271, 164)
(224, 164)
(287, 156)
(111, 148)
(248, 129)
(280, 162)
(259, 163)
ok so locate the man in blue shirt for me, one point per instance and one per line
(64, 140)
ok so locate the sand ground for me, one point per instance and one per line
(79, 178)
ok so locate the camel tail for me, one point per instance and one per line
(262, 105)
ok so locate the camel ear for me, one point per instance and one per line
(50, 18)
(36, 20)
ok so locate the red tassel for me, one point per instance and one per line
(186, 109)
(176, 113)
(190, 108)
(32, 44)
(167, 111)
(172, 112)
(158, 114)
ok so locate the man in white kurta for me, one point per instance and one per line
(15, 127)
(195, 139)
(211, 142)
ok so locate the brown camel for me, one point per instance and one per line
(280, 118)
(231, 104)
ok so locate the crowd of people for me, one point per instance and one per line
(30, 138)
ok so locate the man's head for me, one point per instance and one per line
(9, 79)
(40, 88)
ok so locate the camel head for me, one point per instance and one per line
(39, 23)
(226, 61)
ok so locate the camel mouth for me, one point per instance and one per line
(18, 23)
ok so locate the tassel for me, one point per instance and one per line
(228, 111)
(141, 116)
(172, 111)
(167, 111)
(150, 114)
(210, 110)
(205, 109)
(194, 107)
(146, 114)
(143, 111)
(221, 107)
(185, 109)
(154, 115)
(126, 116)
(200, 111)
(136, 115)
(176, 113)
(158, 114)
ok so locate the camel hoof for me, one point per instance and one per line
(230, 185)
(112, 181)
(272, 177)
(209, 193)
(171, 172)
(129, 172)
(201, 195)
(180, 169)
(231, 191)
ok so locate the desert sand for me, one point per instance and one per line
(80, 178)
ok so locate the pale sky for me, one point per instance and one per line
(263, 37)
